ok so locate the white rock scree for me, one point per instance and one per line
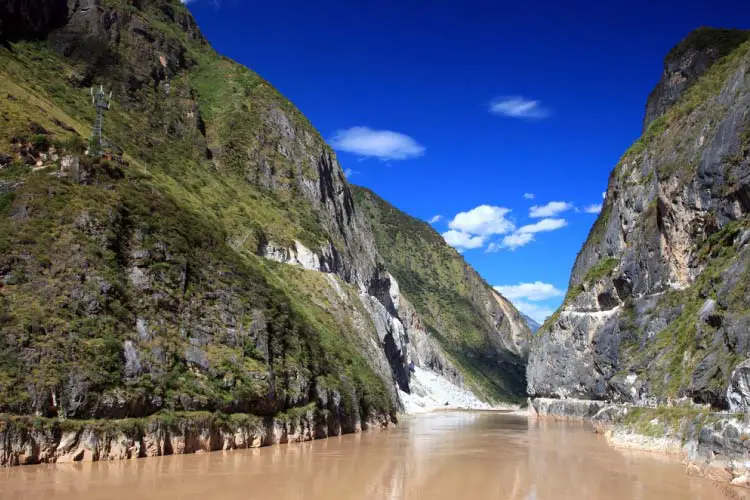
(430, 391)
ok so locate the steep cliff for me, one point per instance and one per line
(658, 304)
(220, 264)
(686, 63)
(482, 332)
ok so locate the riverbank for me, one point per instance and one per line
(35, 440)
(710, 444)
(28, 440)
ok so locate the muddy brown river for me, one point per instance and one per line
(446, 455)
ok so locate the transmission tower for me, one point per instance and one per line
(101, 102)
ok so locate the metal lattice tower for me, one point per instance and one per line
(101, 101)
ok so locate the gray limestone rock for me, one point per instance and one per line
(738, 392)
(686, 63)
(659, 289)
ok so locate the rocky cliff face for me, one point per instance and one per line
(19, 18)
(658, 305)
(220, 265)
(686, 63)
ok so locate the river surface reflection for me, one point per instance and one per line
(445, 455)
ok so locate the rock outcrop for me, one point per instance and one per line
(24, 18)
(566, 409)
(658, 304)
(26, 441)
(686, 63)
(738, 392)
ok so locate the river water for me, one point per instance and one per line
(444, 455)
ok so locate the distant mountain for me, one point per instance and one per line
(533, 325)
(482, 333)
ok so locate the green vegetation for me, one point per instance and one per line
(314, 299)
(720, 41)
(176, 421)
(653, 132)
(679, 347)
(664, 421)
(573, 293)
(601, 269)
(448, 294)
(159, 253)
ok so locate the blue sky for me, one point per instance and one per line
(465, 109)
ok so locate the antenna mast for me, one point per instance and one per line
(101, 102)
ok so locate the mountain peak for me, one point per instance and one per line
(686, 62)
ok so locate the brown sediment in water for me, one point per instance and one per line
(442, 455)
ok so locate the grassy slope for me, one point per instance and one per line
(439, 283)
(205, 213)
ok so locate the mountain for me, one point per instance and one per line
(481, 331)
(658, 305)
(213, 262)
(531, 323)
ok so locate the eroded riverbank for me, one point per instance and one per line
(441, 455)
(33, 440)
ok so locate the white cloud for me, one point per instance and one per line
(525, 234)
(537, 290)
(382, 144)
(349, 172)
(515, 240)
(537, 312)
(463, 241)
(472, 229)
(528, 196)
(550, 209)
(518, 107)
(593, 209)
(524, 296)
(543, 225)
(604, 195)
(483, 220)
(435, 218)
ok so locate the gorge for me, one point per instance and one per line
(221, 277)
(213, 281)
